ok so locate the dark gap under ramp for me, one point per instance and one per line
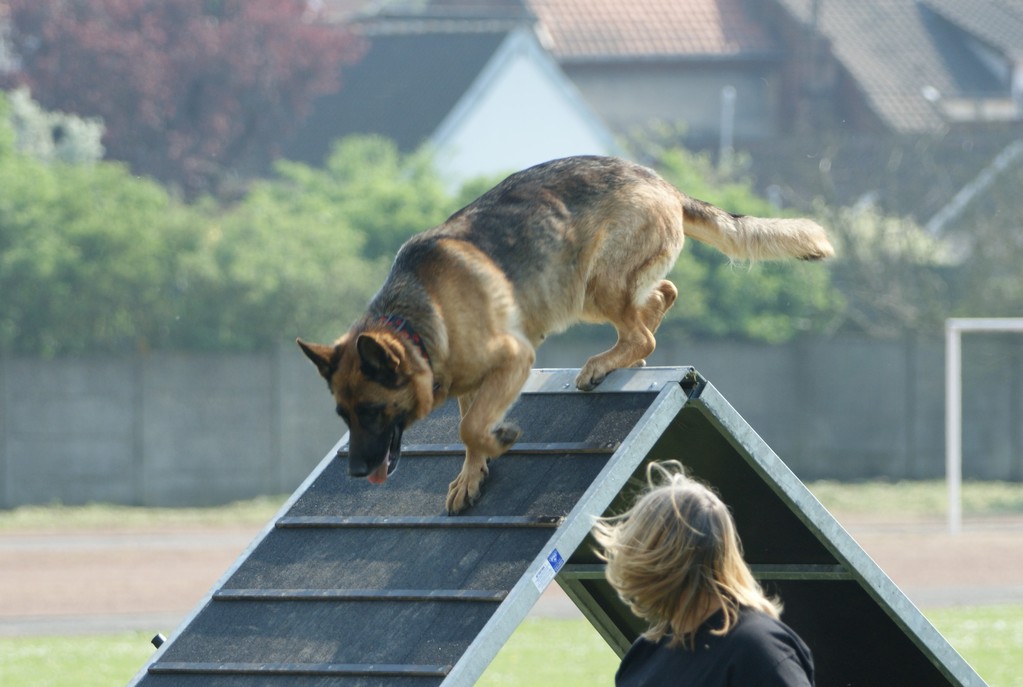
(353, 585)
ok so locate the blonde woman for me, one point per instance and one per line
(676, 560)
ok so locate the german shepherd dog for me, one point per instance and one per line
(466, 303)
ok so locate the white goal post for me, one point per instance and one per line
(954, 328)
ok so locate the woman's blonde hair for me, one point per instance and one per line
(675, 555)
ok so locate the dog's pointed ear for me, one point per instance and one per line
(381, 360)
(322, 357)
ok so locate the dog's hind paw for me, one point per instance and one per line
(585, 382)
(507, 433)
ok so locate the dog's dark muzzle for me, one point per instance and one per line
(374, 456)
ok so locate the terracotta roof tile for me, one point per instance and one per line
(613, 29)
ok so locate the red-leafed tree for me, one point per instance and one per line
(192, 92)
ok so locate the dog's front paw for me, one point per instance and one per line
(465, 490)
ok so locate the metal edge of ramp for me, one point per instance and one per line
(808, 509)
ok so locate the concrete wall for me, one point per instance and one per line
(856, 408)
(192, 429)
(162, 429)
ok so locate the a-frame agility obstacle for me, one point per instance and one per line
(353, 585)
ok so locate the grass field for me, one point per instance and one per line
(896, 501)
(565, 652)
(568, 653)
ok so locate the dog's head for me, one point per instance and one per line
(379, 390)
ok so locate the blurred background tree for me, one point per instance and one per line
(894, 277)
(193, 93)
(85, 252)
(303, 252)
(51, 136)
(765, 301)
(96, 258)
(367, 183)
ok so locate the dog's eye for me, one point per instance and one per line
(367, 412)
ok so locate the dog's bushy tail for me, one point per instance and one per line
(755, 238)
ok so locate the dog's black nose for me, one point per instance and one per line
(356, 467)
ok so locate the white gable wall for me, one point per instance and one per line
(522, 110)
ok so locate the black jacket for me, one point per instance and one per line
(758, 651)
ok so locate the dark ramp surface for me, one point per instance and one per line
(362, 585)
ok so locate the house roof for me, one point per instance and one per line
(902, 56)
(998, 23)
(388, 93)
(587, 30)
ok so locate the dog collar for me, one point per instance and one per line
(402, 326)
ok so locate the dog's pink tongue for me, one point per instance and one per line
(379, 476)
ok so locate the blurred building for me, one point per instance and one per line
(479, 90)
(902, 103)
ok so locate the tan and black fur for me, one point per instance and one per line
(467, 302)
